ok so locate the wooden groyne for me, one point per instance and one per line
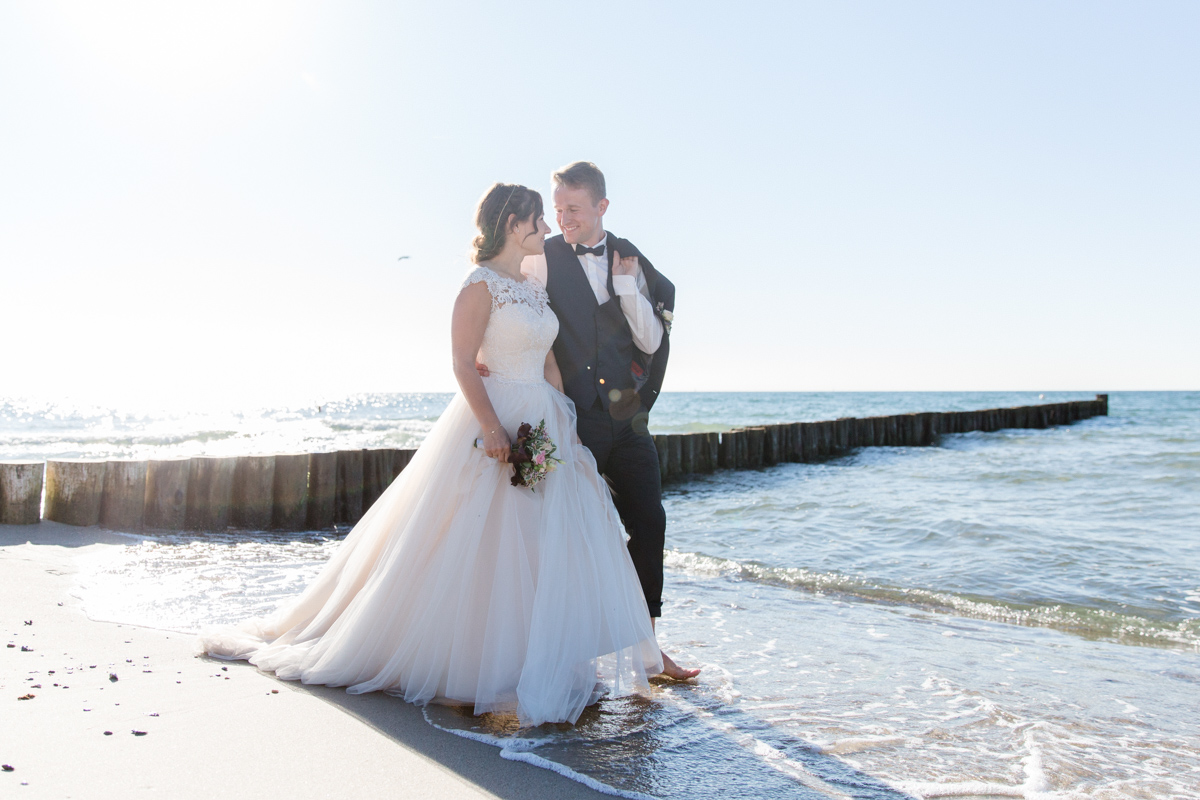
(765, 446)
(292, 492)
(315, 491)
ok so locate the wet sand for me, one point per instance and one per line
(211, 728)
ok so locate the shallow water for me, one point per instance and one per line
(1012, 614)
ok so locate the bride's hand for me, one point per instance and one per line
(497, 445)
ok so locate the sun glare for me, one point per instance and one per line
(180, 47)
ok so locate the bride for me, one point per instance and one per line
(456, 586)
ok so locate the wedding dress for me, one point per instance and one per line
(457, 587)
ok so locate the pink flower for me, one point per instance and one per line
(539, 459)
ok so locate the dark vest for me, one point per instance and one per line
(594, 349)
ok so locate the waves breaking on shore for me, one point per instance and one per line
(1012, 614)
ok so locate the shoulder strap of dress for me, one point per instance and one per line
(480, 274)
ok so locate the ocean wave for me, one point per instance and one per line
(1089, 623)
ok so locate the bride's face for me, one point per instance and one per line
(531, 234)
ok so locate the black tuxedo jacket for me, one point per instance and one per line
(581, 321)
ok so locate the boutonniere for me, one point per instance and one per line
(666, 316)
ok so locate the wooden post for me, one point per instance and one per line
(755, 439)
(848, 433)
(689, 443)
(879, 431)
(322, 491)
(377, 475)
(349, 486)
(402, 459)
(729, 449)
(864, 432)
(822, 439)
(922, 429)
(785, 443)
(949, 422)
(289, 492)
(123, 507)
(166, 495)
(1103, 398)
(73, 491)
(21, 492)
(928, 429)
(661, 445)
(833, 438)
(210, 493)
(809, 440)
(772, 445)
(253, 492)
(795, 445)
(712, 452)
(674, 454)
(918, 429)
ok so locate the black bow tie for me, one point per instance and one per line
(598, 250)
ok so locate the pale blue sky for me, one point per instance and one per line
(211, 198)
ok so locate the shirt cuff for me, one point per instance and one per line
(625, 285)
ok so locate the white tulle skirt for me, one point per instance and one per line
(457, 587)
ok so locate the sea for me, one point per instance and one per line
(1001, 615)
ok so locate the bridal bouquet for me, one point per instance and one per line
(532, 455)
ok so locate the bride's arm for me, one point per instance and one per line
(553, 376)
(469, 321)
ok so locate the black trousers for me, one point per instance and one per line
(626, 456)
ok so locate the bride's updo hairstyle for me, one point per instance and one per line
(498, 202)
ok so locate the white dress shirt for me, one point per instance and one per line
(632, 292)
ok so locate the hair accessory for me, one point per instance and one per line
(497, 226)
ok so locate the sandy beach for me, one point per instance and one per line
(210, 728)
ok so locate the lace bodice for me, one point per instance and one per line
(521, 328)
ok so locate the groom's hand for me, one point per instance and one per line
(624, 266)
(482, 369)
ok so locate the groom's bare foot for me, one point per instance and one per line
(674, 671)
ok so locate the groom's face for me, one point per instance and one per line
(580, 218)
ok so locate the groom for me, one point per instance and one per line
(614, 311)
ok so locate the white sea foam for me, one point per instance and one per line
(521, 749)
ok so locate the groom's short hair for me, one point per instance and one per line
(582, 175)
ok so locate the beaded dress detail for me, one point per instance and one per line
(457, 587)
